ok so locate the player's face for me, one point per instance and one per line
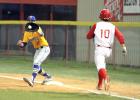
(31, 21)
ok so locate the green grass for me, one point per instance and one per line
(78, 70)
(67, 69)
(30, 95)
(55, 67)
(124, 74)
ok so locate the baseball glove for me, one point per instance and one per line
(31, 27)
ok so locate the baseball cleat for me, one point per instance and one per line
(30, 83)
(46, 80)
(99, 87)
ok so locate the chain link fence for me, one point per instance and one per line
(68, 42)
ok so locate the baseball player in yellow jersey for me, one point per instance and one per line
(34, 34)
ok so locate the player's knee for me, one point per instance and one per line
(36, 63)
(36, 68)
(40, 71)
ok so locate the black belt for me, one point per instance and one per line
(103, 46)
(40, 47)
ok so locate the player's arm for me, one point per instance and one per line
(91, 34)
(23, 43)
(121, 40)
(40, 32)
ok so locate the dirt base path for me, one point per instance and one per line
(14, 81)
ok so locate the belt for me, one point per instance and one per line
(40, 47)
(103, 46)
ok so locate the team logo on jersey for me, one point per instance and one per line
(35, 39)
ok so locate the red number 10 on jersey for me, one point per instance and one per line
(105, 33)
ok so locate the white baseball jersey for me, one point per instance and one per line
(104, 34)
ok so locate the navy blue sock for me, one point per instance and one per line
(34, 76)
(46, 75)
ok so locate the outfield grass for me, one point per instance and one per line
(69, 69)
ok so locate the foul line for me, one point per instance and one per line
(81, 89)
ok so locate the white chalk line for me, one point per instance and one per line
(57, 83)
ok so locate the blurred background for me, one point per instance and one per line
(68, 42)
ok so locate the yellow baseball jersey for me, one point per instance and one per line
(36, 38)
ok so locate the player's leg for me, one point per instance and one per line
(42, 72)
(47, 76)
(99, 61)
(103, 77)
(45, 51)
(108, 52)
(100, 56)
(42, 55)
(36, 68)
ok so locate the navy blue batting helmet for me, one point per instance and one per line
(31, 18)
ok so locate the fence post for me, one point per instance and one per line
(113, 53)
(89, 49)
(7, 39)
(66, 44)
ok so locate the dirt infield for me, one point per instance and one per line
(14, 81)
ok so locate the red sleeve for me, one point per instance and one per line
(119, 36)
(91, 34)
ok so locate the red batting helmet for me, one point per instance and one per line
(105, 14)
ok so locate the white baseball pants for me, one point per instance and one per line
(101, 53)
(40, 55)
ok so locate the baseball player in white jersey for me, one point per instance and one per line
(103, 33)
(35, 35)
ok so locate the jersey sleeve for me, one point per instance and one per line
(119, 36)
(91, 34)
(25, 37)
(40, 31)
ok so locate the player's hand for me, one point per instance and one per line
(20, 43)
(124, 50)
